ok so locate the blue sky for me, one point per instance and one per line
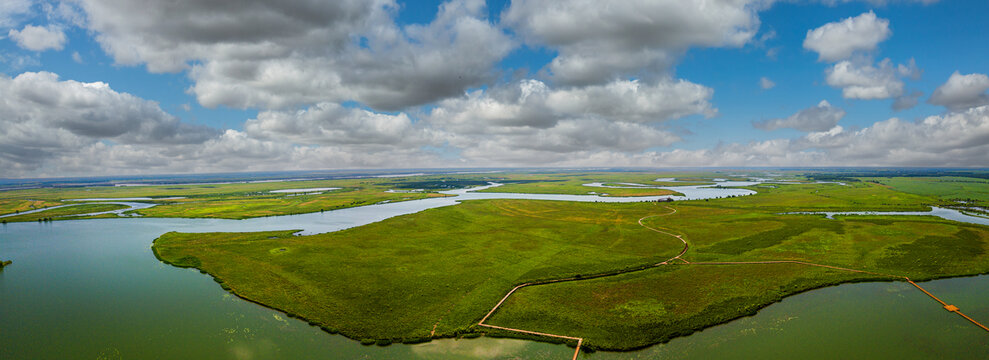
(299, 85)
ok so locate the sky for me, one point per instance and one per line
(121, 87)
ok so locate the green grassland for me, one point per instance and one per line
(228, 201)
(65, 212)
(685, 298)
(10, 206)
(263, 204)
(398, 278)
(246, 200)
(974, 190)
(856, 196)
(394, 280)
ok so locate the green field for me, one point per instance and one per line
(227, 201)
(247, 200)
(65, 212)
(973, 190)
(573, 183)
(10, 206)
(446, 267)
(398, 278)
(614, 313)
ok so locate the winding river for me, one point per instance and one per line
(92, 289)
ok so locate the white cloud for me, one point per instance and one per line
(54, 127)
(44, 117)
(39, 38)
(76, 57)
(11, 12)
(568, 139)
(529, 123)
(961, 92)
(533, 104)
(956, 139)
(818, 118)
(332, 124)
(287, 53)
(230, 151)
(634, 101)
(839, 40)
(599, 41)
(766, 84)
(859, 80)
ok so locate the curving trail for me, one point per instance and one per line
(686, 246)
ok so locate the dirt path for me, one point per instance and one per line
(595, 276)
(686, 246)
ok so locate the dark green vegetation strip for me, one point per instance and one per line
(768, 238)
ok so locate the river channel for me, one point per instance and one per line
(92, 289)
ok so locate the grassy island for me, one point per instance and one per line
(438, 272)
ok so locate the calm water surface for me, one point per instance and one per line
(88, 289)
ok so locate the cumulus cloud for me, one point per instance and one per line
(598, 41)
(533, 104)
(39, 38)
(818, 118)
(907, 101)
(55, 127)
(529, 123)
(285, 53)
(859, 80)
(45, 116)
(961, 92)
(955, 139)
(332, 124)
(839, 40)
(766, 84)
(230, 151)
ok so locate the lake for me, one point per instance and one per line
(92, 289)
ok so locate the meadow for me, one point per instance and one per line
(246, 200)
(64, 212)
(573, 183)
(974, 191)
(227, 201)
(436, 273)
(394, 280)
